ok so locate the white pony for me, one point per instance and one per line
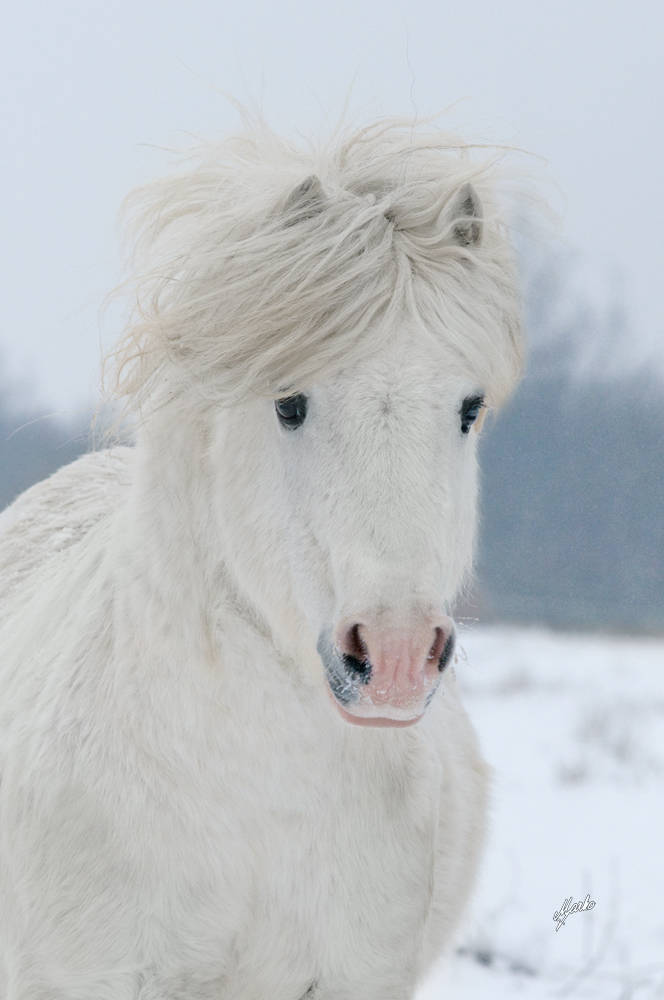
(233, 761)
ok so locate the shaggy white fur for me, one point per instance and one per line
(242, 285)
(184, 813)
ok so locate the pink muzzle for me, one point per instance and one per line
(381, 675)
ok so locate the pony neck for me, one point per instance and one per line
(170, 550)
(175, 542)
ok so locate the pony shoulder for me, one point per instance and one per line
(55, 514)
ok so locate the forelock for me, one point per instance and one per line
(264, 264)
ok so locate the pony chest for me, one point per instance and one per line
(319, 815)
(340, 821)
(343, 867)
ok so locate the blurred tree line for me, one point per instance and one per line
(572, 472)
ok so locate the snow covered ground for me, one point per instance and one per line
(573, 727)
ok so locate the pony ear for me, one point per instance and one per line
(466, 214)
(305, 201)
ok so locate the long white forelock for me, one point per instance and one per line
(265, 265)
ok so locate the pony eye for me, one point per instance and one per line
(292, 411)
(470, 411)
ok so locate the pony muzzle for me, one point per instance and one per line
(385, 676)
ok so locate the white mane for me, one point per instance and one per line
(231, 296)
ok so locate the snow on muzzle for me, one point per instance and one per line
(382, 675)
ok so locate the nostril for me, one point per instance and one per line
(446, 654)
(354, 645)
(361, 669)
(442, 648)
(355, 656)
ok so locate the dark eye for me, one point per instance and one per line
(470, 411)
(292, 411)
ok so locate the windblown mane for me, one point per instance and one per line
(265, 264)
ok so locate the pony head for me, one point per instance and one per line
(339, 317)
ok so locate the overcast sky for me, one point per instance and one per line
(89, 88)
